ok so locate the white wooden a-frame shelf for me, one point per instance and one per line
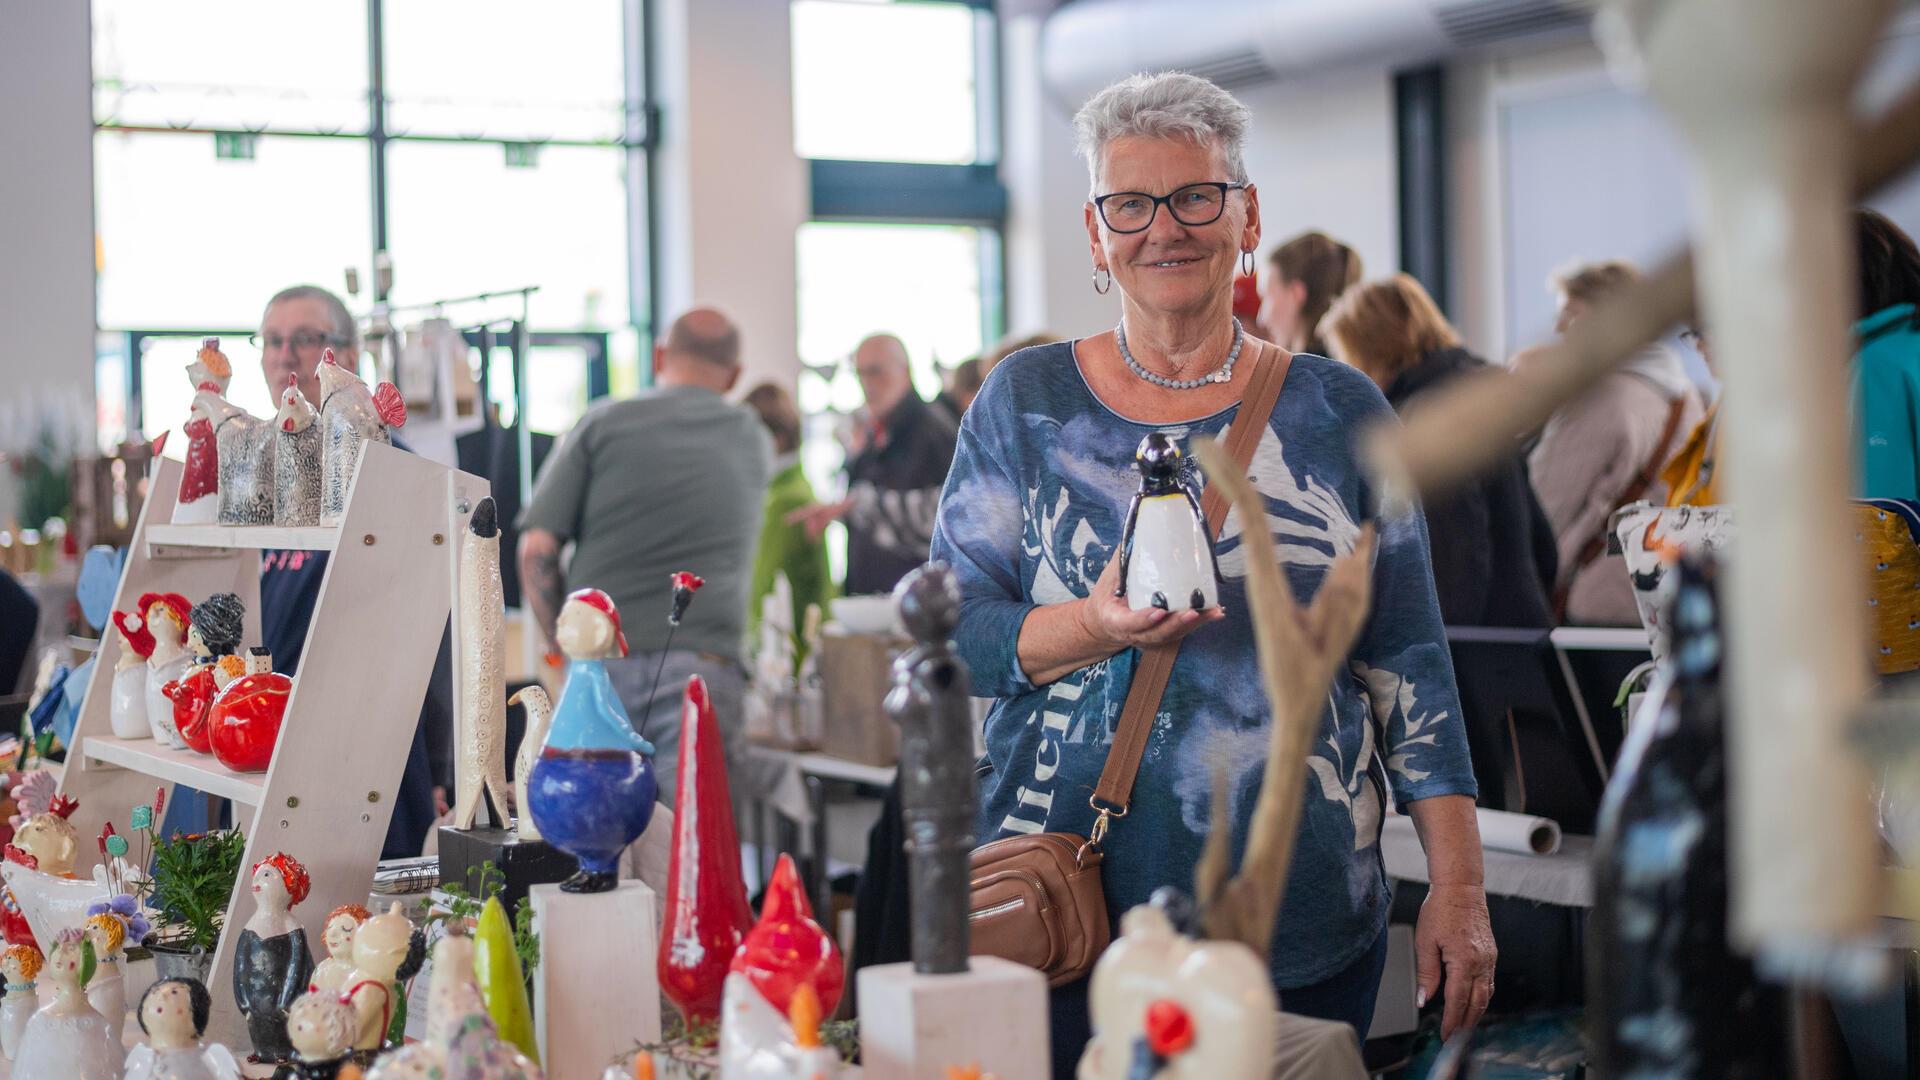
(328, 795)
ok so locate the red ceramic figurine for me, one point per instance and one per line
(707, 914)
(244, 722)
(192, 696)
(786, 948)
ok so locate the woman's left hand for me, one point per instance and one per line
(1453, 938)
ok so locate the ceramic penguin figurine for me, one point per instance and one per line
(296, 459)
(166, 616)
(483, 727)
(246, 446)
(351, 415)
(173, 1014)
(21, 966)
(1166, 556)
(129, 713)
(539, 719)
(198, 502)
(592, 790)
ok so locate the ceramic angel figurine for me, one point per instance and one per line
(216, 624)
(67, 1039)
(271, 962)
(106, 990)
(386, 951)
(350, 417)
(592, 790)
(165, 616)
(483, 732)
(246, 445)
(1166, 552)
(198, 502)
(320, 1026)
(459, 1030)
(173, 1014)
(129, 713)
(243, 724)
(296, 460)
(539, 720)
(330, 974)
(20, 964)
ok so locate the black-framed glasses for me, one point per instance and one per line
(1193, 205)
(299, 341)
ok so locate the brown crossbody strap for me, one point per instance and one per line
(1110, 796)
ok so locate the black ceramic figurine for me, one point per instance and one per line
(1667, 996)
(929, 702)
(272, 964)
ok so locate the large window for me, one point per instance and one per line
(483, 145)
(894, 106)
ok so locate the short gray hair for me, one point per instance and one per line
(344, 331)
(1170, 104)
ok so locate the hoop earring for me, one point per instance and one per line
(1246, 264)
(1100, 285)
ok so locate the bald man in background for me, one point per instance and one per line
(896, 466)
(673, 478)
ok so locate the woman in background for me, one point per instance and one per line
(1493, 552)
(1886, 370)
(785, 548)
(1308, 273)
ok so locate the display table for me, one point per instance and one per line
(795, 787)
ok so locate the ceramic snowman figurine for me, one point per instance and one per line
(166, 616)
(246, 445)
(1166, 556)
(786, 975)
(296, 460)
(330, 974)
(199, 499)
(107, 991)
(271, 962)
(386, 950)
(459, 1029)
(129, 713)
(351, 416)
(20, 964)
(173, 1014)
(320, 1026)
(592, 790)
(539, 719)
(67, 1039)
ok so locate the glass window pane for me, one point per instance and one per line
(231, 64)
(190, 240)
(885, 82)
(557, 379)
(166, 395)
(505, 68)
(462, 221)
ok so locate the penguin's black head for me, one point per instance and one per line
(1158, 457)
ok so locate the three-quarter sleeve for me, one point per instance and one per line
(977, 532)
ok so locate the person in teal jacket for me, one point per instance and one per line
(1886, 369)
(785, 548)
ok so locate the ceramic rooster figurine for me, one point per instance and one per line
(351, 415)
(245, 445)
(198, 502)
(483, 727)
(296, 460)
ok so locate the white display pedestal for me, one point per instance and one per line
(599, 987)
(913, 1026)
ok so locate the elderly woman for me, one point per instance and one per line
(1030, 519)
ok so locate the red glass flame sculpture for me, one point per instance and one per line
(707, 914)
(787, 949)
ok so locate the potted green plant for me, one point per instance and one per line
(189, 889)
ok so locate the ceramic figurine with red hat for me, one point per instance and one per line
(271, 962)
(166, 616)
(198, 502)
(244, 722)
(592, 789)
(129, 712)
(351, 416)
(787, 974)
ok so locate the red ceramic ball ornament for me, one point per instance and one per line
(244, 722)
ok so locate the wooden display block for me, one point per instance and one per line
(856, 671)
(599, 991)
(913, 1026)
(524, 863)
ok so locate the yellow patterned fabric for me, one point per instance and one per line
(1886, 529)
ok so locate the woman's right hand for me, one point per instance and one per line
(1109, 621)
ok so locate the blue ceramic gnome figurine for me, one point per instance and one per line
(592, 789)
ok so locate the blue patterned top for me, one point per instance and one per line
(1031, 512)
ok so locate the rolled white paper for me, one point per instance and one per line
(1501, 830)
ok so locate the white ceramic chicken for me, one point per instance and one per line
(351, 415)
(757, 1043)
(539, 718)
(1202, 1009)
(296, 462)
(462, 1042)
(246, 445)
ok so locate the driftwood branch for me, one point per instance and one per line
(1300, 652)
(1477, 421)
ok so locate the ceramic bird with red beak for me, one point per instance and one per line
(296, 463)
(351, 415)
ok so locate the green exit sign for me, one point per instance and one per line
(234, 146)
(522, 155)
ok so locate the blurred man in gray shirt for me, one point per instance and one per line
(673, 478)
